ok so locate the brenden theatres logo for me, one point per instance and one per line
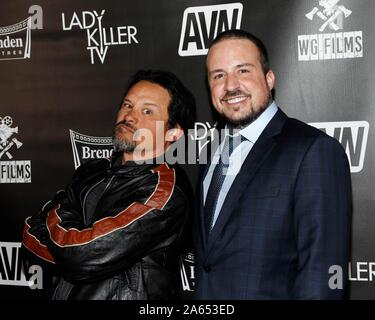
(14, 271)
(12, 171)
(200, 25)
(15, 40)
(353, 137)
(99, 38)
(334, 45)
(88, 147)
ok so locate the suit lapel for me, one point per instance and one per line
(258, 154)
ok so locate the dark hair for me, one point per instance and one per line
(181, 109)
(242, 34)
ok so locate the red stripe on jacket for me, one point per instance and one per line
(73, 237)
(34, 245)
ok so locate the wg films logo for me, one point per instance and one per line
(12, 171)
(331, 15)
(99, 38)
(15, 40)
(200, 25)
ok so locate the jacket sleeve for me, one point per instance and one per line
(35, 237)
(116, 242)
(322, 211)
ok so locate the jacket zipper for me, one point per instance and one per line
(106, 187)
(84, 199)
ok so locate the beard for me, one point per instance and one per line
(249, 117)
(121, 144)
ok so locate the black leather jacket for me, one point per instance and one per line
(115, 232)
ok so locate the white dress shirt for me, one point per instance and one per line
(251, 133)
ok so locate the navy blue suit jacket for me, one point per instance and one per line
(285, 221)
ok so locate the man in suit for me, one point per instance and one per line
(273, 216)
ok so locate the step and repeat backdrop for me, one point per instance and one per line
(64, 66)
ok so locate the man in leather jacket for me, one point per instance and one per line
(116, 231)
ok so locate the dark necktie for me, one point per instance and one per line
(217, 180)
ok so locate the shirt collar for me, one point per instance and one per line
(252, 131)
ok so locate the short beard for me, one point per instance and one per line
(242, 123)
(122, 145)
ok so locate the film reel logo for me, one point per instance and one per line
(7, 139)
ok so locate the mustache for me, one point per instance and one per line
(235, 93)
(127, 124)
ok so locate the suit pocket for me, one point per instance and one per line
(263, 193)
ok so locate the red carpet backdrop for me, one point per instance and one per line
(64, 66)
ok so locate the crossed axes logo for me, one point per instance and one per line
(330, 13)
(6, 132)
